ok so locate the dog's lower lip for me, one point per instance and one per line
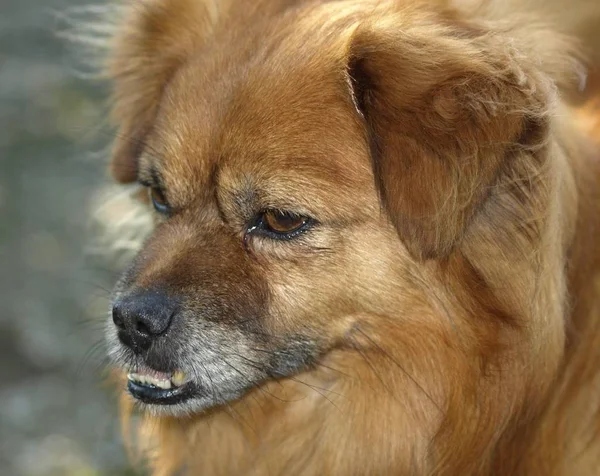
(155, 387)
(151, 394)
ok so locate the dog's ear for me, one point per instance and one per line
(446, 108)
(153, 39)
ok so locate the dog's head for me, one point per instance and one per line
(319, 172)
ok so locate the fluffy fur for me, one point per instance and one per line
(442, 318)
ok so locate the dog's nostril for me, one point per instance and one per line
(118, 317)
(143, 328)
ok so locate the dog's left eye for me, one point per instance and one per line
(159, 202)
(280, 224)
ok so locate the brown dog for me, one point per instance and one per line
(375, 249)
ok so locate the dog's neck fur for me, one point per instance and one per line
(563, 438)
(579, 384)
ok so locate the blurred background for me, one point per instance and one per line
(57, 417)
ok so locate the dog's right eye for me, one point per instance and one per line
(279, 225)
(159, 202)
(282, 223)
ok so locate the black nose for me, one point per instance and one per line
(143, 316)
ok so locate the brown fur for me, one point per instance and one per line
(452, 287)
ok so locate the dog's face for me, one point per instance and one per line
(270, 237)
(303, 171)
(263, 219)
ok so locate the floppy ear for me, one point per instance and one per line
(154, 38)
(445, 110)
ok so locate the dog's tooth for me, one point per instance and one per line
(149, 380)
(164, 384)
(178, 378)
(134, 377)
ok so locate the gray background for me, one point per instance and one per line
(57, 417)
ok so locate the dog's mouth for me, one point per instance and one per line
(159, 388)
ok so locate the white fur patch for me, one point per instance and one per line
(120, 223)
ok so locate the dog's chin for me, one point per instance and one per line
(180, 392)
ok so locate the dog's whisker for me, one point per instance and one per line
(356, 346)
(90, 353)
(393, 360)
(321, 391)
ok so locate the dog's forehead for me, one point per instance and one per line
(259, 118)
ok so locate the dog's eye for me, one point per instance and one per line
(159, 202)
(281, 224)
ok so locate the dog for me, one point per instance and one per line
(374, 248)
